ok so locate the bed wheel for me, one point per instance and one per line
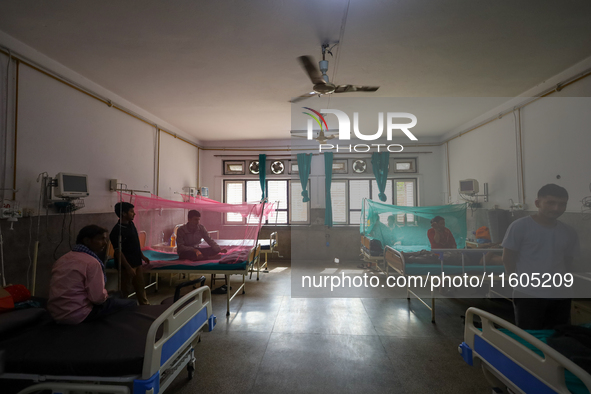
(191, 370)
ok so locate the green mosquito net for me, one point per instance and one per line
(405, 228)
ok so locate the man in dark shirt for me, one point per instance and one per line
(131, 252)
(189, 236)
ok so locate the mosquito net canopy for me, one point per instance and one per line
(405, 228)
(233, 226)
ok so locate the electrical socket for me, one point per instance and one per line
(28, 212)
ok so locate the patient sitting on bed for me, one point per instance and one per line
(440, 236)
(77, 289)
(189, 236)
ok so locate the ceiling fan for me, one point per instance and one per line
(322, 84)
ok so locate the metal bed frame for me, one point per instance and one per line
(395, 259)
(253, 258)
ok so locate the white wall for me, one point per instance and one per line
(556, 141)
(486, 154)
(60, 129)
(178, 167)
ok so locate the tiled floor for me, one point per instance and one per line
(272, 343)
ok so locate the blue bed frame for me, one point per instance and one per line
(513, 358)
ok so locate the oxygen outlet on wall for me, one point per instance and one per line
(516, 206)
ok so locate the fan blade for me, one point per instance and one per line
(355, 88)
(303, 97)
(298, 136)
(330, 137)
(308, 63)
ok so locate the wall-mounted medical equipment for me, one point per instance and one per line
(469, 187)
(469, 190)
(204, 191)
(191, 191)
(70, 186)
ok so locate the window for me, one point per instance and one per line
(280, 192)
(406, 196)
(233, 167)
(234, 195)
(338, 198)
(299, 211)
(404, 165)
(347, 198)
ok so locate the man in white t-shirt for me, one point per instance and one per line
(541, 246)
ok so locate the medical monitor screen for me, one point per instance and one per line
(468, 186)
(73, 183)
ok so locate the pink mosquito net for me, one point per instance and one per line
(234, 227)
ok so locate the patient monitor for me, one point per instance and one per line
(469, 186)
(71, 185)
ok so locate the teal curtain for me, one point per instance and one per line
(304, 162)
(379, 163)
(263, 175)
(327, 183)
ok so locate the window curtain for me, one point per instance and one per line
(327, 184)
(263, 175)
(379, 163)
(304, 163)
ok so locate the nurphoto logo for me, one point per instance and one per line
(345, 129)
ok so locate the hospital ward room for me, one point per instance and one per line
(337, 196)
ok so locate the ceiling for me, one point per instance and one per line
(227, 70)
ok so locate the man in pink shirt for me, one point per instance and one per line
(77, 290)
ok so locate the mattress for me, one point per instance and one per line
(113, 346)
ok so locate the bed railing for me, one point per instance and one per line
(503, 355)
(180, 324)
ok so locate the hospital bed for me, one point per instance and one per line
(372, 250)
(431, 265)
(139, 351)
(268, 247)
(237, 264)
(517, 360)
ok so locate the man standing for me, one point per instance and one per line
(131, 252)
(189, 236)
(537, 245)
(77, 290)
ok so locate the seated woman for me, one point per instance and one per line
(440, 236)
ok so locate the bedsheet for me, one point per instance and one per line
(231, 261)
(573, 383)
